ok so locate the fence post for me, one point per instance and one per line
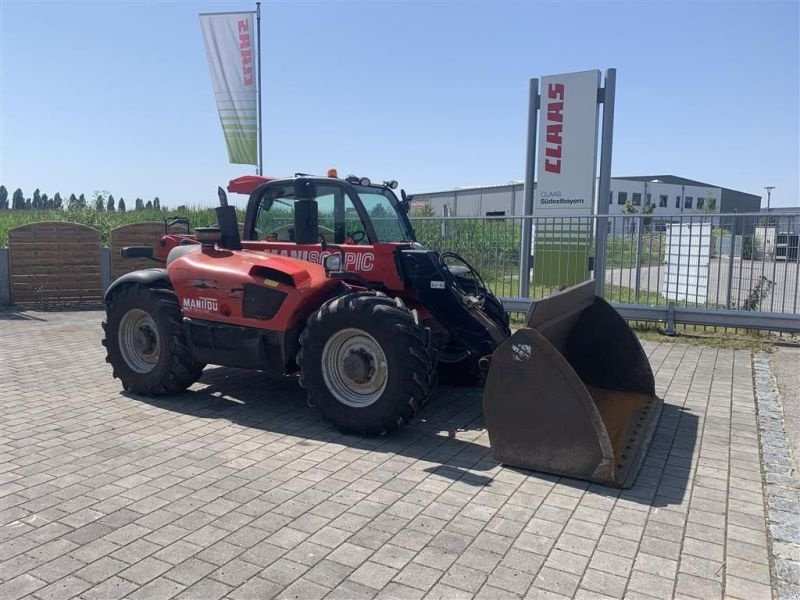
(670, 329)
(527, 205)
(731, 254)
(105, 266)
(638, 265)
(604, 185)
(5, 278)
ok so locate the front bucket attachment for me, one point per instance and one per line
(572, 393)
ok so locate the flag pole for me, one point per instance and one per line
(258, 91)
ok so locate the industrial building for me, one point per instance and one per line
(669, 194)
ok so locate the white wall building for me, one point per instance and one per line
(670, 195)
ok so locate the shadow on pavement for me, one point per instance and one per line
(15, 313)
(445, 433)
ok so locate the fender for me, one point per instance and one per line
(146, 277)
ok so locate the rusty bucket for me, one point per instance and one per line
(572, 393)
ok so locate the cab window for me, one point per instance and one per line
(338, 220)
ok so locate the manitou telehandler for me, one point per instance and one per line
(327, 280)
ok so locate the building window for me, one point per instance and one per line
(495, 213)
(649, 199)
(611, 197)
(637, 199)
(622, 197)
(677, 201)
(700, 202)
(662, 200)
(687, 203)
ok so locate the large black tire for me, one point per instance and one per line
(145, 341)
(465, 371)
(383, 325)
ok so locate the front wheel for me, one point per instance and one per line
(367, 363)
(145, 342)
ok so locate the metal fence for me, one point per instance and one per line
(734, 270)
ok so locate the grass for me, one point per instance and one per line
(102, 221)
(621, 251)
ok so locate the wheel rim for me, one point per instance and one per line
(354, 367)
(139, 341)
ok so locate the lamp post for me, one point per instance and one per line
(639, 226)
(769, 189)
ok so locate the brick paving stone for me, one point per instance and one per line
(146, 570)
(101, 569)
(602, 582)
(418, 576)
(67, 587)
(206, 589)
(373, 574)
(556, 581)
(20, 586)
(350, 590)
(110, 589)
(189, 571)
(256, 589)
(396, 591)
(328, 573)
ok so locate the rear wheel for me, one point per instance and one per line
(367, 363)
(145, 342)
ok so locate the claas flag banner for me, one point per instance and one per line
(230, 40)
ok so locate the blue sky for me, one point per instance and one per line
(116, 95)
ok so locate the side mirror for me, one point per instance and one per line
(137, 252)
(306, 222)
(404, 202)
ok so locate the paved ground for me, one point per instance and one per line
(236, 488)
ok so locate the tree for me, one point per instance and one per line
(156, 203)
(72, 203)
(81, 201)
(630, 209)
(45, 202)
(648, 209)
(110, 205)
(28, 204)
(121, 204)
(423, 210)
(99, 202)
(149, 205)
(3, 198)
(18, 200)
(709, 205)
(58, 203)
(139, 204)
(36, 203)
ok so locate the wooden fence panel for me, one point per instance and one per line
(54, 263)
(146, 233)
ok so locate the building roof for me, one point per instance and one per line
(467, 188)
(673, 179)
(782, 209)
(669, 179)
